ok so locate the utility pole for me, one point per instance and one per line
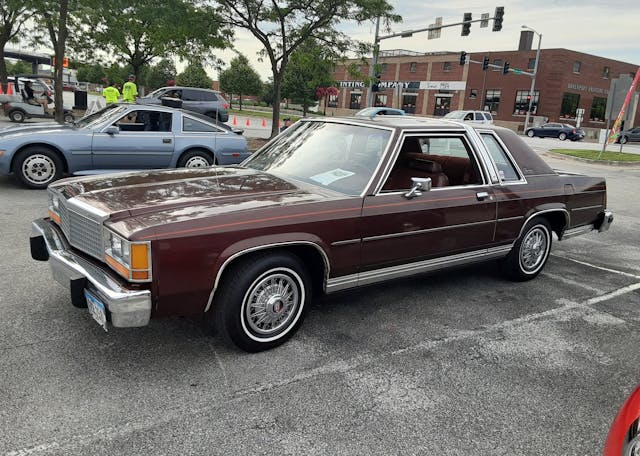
(372, 68)
(533, 78)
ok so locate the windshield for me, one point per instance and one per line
(454, 115)
(156, 93)
(98, 117)
(336, 156)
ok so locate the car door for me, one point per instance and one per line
(634, 134)
(454, 220)
(141, 139)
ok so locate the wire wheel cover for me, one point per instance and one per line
(533, 249)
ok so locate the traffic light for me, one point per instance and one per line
(466, 26)
(485, 63)
(497, 18)
(463, 58)
(505, 68)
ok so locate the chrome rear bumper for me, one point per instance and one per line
(127, 306)
(607, 220)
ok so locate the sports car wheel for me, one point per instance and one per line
(562, 136)
(530, 252)
(261, 301)
(37, 167)
(530, 134)
(17, 116)
(195, 159)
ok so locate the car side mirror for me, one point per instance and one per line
(112, 130)
(418, 185)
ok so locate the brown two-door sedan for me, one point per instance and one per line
(326, 206)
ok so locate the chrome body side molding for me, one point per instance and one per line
(419, 267)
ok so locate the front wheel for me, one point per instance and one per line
(530, 134)
(17, 116)
(37, 167)
(530, 252)
(562, 136)
(261, 301)
(195, 159)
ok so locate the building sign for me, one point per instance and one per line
(443, 85)
(584, 88)
(423, 85)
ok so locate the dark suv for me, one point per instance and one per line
(205, 101)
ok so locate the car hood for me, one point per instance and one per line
(143, 200)
(45, 127)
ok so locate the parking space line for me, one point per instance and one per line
(574, 283)
(614, 271)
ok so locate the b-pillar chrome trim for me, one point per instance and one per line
(419, 267)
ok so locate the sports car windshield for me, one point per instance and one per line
(336, 156)
(99, 116)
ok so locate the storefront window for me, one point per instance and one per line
(443, 104)
(409, 102)
(522, 102)
(413, 67)
(354, 103)
(332, 102)
(598, 107)
(492, 101)
(570, 102)
(381, 100)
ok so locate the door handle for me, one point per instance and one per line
(482, 196)
(166, 140)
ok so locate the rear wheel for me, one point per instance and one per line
(17, 116)
(195, 159)
(623, 139)
(530, 252)
(262, 301)
(562, 136)
(530, 134)
(37, 167)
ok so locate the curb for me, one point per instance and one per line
(597, 162)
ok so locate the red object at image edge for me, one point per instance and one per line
(628, 413)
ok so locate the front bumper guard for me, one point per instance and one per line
(126, 306)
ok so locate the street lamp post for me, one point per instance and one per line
(533, 78)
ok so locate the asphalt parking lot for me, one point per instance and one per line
(457, 363)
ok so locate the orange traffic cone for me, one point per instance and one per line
(264, 122)
(9, 89)
(235, 121)
(1, 91)
(248, 122)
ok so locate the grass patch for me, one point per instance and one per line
(265, 114)
(594, 155)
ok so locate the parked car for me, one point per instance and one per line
(476, 117)
(556, 130)
(119, 137)
(380, 111)
(632, 135)
(208, 102)
(624, 435)
(333, 204)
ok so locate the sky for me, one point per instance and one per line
(608, 29)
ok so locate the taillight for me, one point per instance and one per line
(574, 131)
(225, 106)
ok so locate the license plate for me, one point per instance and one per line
(96, 309)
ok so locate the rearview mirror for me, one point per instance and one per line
(418, 185)
(112, 130)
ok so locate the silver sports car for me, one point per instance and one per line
(119, 137)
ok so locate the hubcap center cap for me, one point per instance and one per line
(275, 304)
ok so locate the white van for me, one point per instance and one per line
(477, 117)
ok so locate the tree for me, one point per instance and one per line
(14, 15)
(310, 66)
(323, 93)
(240, 78)
(20, 67)
(158, 75)
(282, 26)
(194, 76)
(141, 31)
(54, 15)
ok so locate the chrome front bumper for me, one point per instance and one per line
(127, 307)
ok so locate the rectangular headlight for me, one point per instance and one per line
(132, 260)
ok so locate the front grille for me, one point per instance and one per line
(81, 232)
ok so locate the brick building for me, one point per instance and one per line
(432, 84)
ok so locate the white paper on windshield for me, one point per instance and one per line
(331, 176)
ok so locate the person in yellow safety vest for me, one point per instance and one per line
(130, 90)
(111, 94)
